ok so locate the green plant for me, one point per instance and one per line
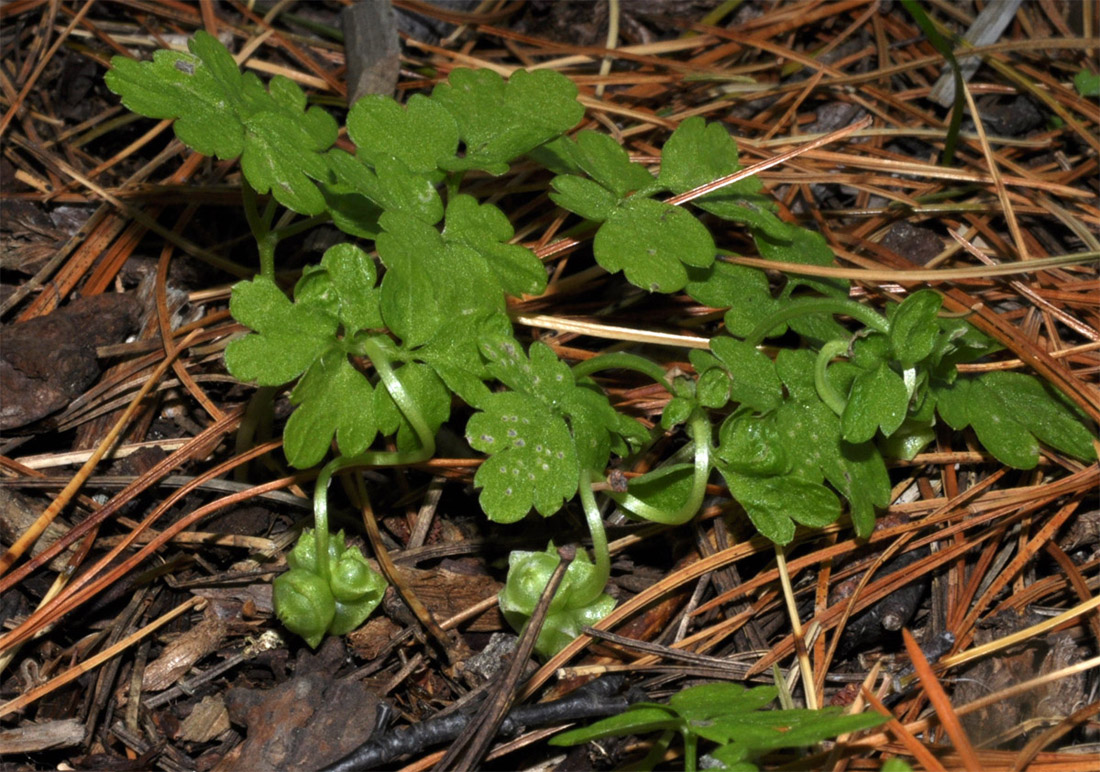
(799, 433)
(726, 714)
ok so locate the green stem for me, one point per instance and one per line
(803, 307)
(691, 752)
(401, 397)
(259, 411)
(599, 541)
(302, 225)
(830, 396)
(622, 361)
(700, 432)
(370, 457)
(260, 225)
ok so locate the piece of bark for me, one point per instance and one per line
(18, 513)
(30, 738)
(206, 721)
(371, 639)
(371, 49)
(446, 593)
(304, 723)
(181, 654)
(47, 362)
(1010, 723)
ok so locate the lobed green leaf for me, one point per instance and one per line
(486, 230)
(755, 382)
(878, 400)
(220, 112)
(653, 243)
(500, 121)
(913, 327)
(333, 399)
(422, 135)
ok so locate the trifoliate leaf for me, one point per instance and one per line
(751, 445)
(428, 282)
(755, 382)
(422, 135)
(743, 290)
(344, 286)
(595, 425)
(333, 398)
(220, 112)
(697, 153)
(426, 391)
(351, 212)
(713, 389)
(541, 432)
(486, 230)
(802, 246)
(677, 411)
(795, 367)
(390, 185)
(913, 328)
(582, 196)
(609, 164)
(652, 242)
(772, 503)
(290, 335)
(532, 462)
(454, 354)
(500, 121)
(878, 400)
(1009, 411)
(953, 402)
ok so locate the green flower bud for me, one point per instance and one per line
(528, 573)
(350, 615)
(304, 554)
(304, 603)
(353, 579)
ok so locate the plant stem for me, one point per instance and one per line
(370, 457)
(691, 752)
(599, 540)
(259, 411)
(830, 396)
(700, 432)
(260, 225)
(400, 397)
(302, 225)
(805, 306)
(622, 361)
